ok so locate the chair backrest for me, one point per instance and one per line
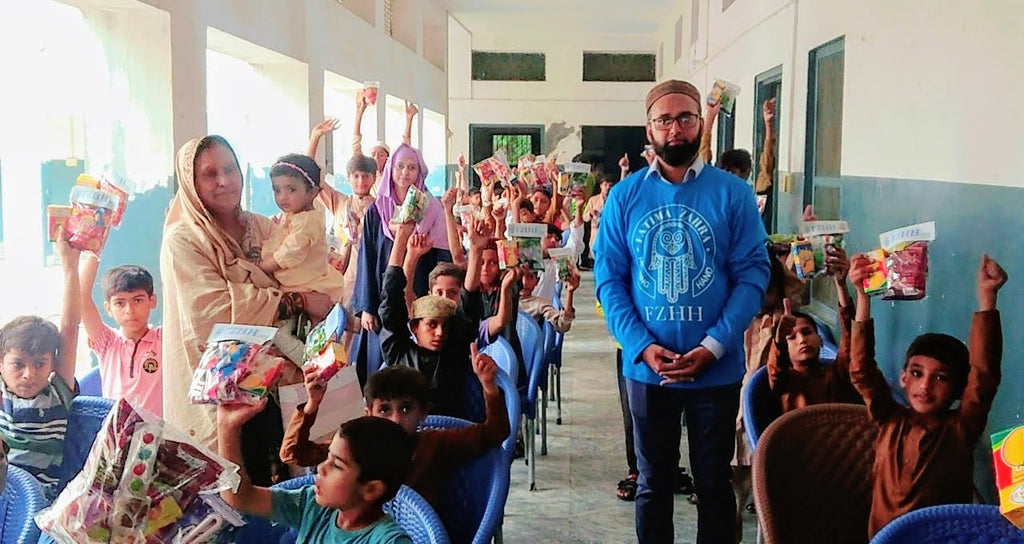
(760, 406)
(503, 354)
(829, 350)
(812, 475)
(92, 384)
(411, 511)
(533, 351)
(21, 500)
(974, 523)
(473, 404)
(473, 505)
(85, 419)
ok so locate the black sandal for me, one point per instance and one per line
(627, 488)
(684, 483)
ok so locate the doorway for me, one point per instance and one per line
(605, 145)
(768, 85)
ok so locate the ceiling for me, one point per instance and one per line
(596, 16)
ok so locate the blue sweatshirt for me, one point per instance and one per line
(681, 265)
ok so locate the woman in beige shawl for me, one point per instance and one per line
(209, 261)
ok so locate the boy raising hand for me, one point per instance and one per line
(924, 452)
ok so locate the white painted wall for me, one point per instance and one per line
(563, 101)
(928, 86)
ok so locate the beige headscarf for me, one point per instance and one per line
(206, 280)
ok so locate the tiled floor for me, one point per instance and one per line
(575, 499)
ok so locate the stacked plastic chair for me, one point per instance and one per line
(473, 506)
(21, 500)
(533, 352)
(951, 523)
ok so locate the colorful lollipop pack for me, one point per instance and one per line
(235, 368)
(140, 480)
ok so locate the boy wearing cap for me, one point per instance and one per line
(428, 319)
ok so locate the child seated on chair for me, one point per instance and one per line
(924, 451)
(362, 469)
(37, 363)
(795, 372)
(401, 394)
(130, 357)
(541, 308)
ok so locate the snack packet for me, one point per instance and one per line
(413, 207)
(493, 169)
(803, 258)
(578, 178)
(323, 333)
(56, 216)
(528, 241)
(822, 236)
(89, 223)
(563, 261)
(368, 93)
(120, 187)
(139, 479)
(235, 368)
(1008, 460)
(878, 281)
(508, 254)
(725, 93)
(330, 361)
(906, 261)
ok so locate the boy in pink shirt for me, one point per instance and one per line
(130, 358)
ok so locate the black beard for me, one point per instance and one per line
(679, 154)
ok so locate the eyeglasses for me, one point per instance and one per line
(685, 120)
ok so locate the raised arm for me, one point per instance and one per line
(394, 310)
(986, 351)
(478, 238)
(71, 314)
(95, 329)
(624, 166)
(451, 228)
(297, 448)
(508, 303)
(838, 266)
(357, 127)
(248, 499)
(410, 114)
(325, 127)
(767, 170)
(705, 138)
(778, 356)
(418, 246)
(867, 379)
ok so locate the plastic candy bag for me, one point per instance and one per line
(413, 207)
(493, 169)
(139, 479)
(235, 368)
(368, 94)
(208, 520)
(803, 258)
(563, 261)
(528, 242)
(576, 185)
(725, 93)
(822, 235)
(878, 282)
(56, 216)
(323, 333)
(92, 212)
(508, 254)
(906, 261)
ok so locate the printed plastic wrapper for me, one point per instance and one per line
(563, 261)
(139, 481)
(113, 183)
(323, 333)
(494, 169)
(235, 368)
(579, 178)
(508, 254)
(878, 281)
(413, 207)
(346, 229)
(330, 362)
(803, 258)
(725, 93)
(823, 237)
(369, 92)
(527, 237)
(56, 216)
(208, 520)
(906, 261)
(1008, 461)
(92, 211)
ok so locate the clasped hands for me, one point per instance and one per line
(676, 368)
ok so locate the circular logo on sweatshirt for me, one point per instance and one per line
(150, 365)
(675, 249)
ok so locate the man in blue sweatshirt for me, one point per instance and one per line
(681, 269)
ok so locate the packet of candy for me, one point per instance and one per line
(464, 213)
(508, 254)
(906, 260)
(139, 479)
(369, 92)
(330, 361)
(563, 260)
(878, 282)
(56, 216)
(725, 93)
(528, 240)
(235, 368)
(823, 235)
(89, 223)
(120, 187)
(577, 183)
(209, 520)
(493, 169)
(323, 333)
(803, 258)
(1008, 460)
(413, 207)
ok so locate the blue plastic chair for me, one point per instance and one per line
(411, 511)
(84, 423)
(91, 385)
(951, 523)
(760, 406)
(473, 505)
(503, 354)
(533, 351)
(474, 396)
(553, 356)
(21, 500)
